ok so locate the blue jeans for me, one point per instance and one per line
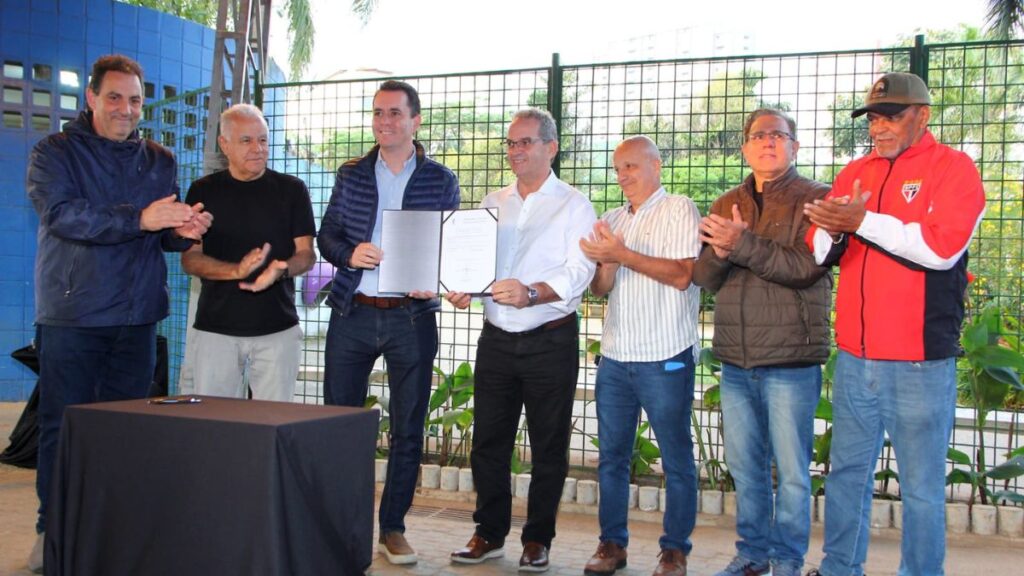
(408, 342)
(914, 402)
(664, 389)
(81, 366)
(768, 413)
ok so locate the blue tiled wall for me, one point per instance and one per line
(64, 37)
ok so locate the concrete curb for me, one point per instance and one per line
(647, 503)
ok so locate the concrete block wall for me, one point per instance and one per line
(46, 51)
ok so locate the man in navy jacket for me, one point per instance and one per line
(365, 323)
(108, 208)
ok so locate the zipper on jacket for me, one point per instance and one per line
(805, 316)
(864, 268)
(71, 273)
(743, 285)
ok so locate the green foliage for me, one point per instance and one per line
(1004, 18)
(338, 147)
(849, 136)
(364, 9)
(301, 32)
(471, 143)
(702, 177)
(994, 363)
(518, 465)
(453, 393)
(713, 126)
(645, 451)
(200, 11)
(711, 461)
(822, 455)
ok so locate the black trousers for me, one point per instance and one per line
(537, 370)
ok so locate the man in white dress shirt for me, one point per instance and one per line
(645, 253)
(528, 352)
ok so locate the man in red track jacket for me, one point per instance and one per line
(897, 222)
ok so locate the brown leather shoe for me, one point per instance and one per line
(477, 550)
(671, 562)
(534, 558)
(396, 549)
(608, 558)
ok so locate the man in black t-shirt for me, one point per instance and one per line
(246, 323)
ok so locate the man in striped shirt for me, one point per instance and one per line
(645, 252)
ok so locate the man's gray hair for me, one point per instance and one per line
(548, 129)
(768, 112)
(240, 112)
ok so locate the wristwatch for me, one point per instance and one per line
(531, 295)
(286, 275)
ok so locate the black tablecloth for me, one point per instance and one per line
(219, 487)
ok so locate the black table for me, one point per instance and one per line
(219, 487)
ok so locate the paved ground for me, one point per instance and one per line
(441, 522)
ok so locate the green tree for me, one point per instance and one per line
(364, 9)
(301, 30)
(713, 125)
(202, 11)
(339, 146)
(470, 142)
(1004, 18)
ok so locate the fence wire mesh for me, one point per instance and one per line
(694, 110)
(179, 123)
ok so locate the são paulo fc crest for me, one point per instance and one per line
(910, 189)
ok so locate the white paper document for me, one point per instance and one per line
(438, 251)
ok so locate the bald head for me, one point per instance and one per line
(643, 145)
(637, 163)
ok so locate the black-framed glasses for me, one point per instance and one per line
(523, 143)
(773, 136)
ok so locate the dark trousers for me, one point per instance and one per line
(408, 342)
(537, 370)
(80, 366)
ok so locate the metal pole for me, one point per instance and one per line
(919, 58)
(555, 104)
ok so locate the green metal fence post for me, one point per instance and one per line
(919, 58)
(555, 103)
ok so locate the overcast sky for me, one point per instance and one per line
(408, 37)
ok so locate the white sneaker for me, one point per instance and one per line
(35, 559)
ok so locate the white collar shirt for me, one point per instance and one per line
(539, 241)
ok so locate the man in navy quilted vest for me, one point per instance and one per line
(365, 324)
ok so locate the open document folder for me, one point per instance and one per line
(438, 251)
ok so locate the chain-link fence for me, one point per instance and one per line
(694, 110)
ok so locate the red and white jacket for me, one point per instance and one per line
(903, 274)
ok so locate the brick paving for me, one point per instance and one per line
(442, 521)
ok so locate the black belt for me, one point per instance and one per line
(545, 327)
(381, 302)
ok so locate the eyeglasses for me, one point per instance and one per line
(774, 136)
(523, 143)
